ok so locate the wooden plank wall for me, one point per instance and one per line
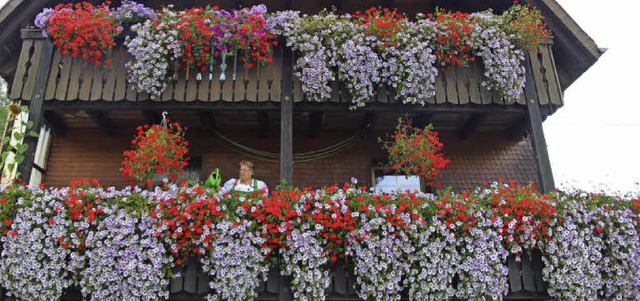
(73, 79)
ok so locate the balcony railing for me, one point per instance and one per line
(72, 79)
(525, 282)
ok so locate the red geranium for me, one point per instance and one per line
(156, 150)
(83, 30)
(415, 151)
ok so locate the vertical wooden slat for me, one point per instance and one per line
(528, 277)
(215, 88)
(74, 78)
(452, 86)
(54, 74)
(177, 282)
(131, 94)
(36, 60)
(383, 95)
(340, 279)
(110, 75)
(474, 83)
(18, 82)
(121, 81)
(538, 77)
(181, 85)
(462, 82)
(167, 94)
(239, 91)
(251, 81)
(98, 83)
(496, 97)
(275, 74)
(335, 90)
(515, 282)
(192, 87)
(227, 86)
(441, 93)
(273, 280)
(203, 87)
(86, 81)
(551, 74)
(191, 276)
(263, 81)
(297, 88)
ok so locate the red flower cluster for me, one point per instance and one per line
(381, 23)
(415, 151)
(83, 30)
(183, 220)
(156, 150)
(525, 214)
(452, 41)
(206, 33)
(82, 205)
(526, 25)
(455, 212)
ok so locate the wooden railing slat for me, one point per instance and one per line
(86, 81)
(474, 84)
(74, 78)
(121, 82)
(52, 84)
(452, 86)
(98, 83)
(536, 68)
(441, 93)
(35, 60)
(551, 74)
(18, 82)
(462, 82)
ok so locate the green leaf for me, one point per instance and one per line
(22, 148)
(19, 159)
(33, 134)
(18, 136)
(5, 140)
(4, 155)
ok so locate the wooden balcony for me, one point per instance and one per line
(73, 81)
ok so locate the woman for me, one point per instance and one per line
(245, 184)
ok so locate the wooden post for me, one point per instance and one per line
(286, 113)
(545, 176)
(36, 106)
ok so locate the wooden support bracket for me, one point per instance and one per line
(104, 122)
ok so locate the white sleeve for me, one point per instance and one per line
(228, 185)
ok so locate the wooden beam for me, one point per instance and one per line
(314, 123)
(276, 106)
(518, 128)
(367, 124)
(538, 141)
(421, 120)
(286, 124)
(57, 123)
(152, 116)
(36, 106)
(104, 122)
(263, 124)
(470, 125)
(208, 121)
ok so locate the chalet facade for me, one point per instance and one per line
(91, 113)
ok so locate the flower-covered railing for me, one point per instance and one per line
(209, 54)
(130, 244)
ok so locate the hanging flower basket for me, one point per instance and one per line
(156, 150)
(415, 151)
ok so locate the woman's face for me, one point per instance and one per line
(246, 174)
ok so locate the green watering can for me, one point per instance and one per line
(214, 179)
